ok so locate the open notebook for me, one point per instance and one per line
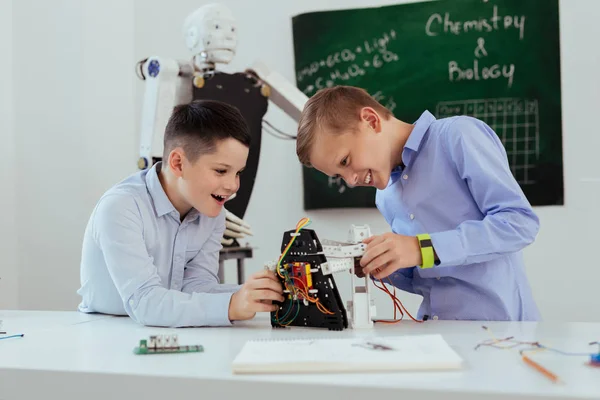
(396, 353)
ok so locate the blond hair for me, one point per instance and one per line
(336, 109)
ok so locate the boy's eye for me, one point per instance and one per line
(220, 171)
(344, 161)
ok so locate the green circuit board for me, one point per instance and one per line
(160, 344)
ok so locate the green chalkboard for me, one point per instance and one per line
(497, 60)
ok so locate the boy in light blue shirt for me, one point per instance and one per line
(152, 243)
(458, 217)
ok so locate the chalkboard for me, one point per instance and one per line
(497, 60)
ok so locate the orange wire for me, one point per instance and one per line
(316, 301)
(396, 306)
(397, 303)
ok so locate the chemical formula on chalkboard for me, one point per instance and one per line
(345, 64)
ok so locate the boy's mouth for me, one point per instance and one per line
(219, 198)
(368, 178)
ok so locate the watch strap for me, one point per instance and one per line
(426, 250)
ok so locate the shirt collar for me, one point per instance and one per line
(421, 126)
(162, 204)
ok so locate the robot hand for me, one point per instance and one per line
(235, 228)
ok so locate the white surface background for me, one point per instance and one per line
(69, 110)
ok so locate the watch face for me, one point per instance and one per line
(426, 243)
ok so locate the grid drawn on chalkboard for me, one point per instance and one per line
(516, 121)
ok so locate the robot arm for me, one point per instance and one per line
(280, 91)
(167, 84)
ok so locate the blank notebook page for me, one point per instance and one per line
(396, 353)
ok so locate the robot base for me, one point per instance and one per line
(311, 297)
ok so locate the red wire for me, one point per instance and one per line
(397, 303)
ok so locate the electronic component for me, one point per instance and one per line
(161, 344)
(311, 298)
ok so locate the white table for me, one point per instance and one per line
(76, 356)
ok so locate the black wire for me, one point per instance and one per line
(277, 135)
(139, 70)
(286, 135)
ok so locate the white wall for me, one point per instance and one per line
(8, 197)
(74, 125)
(76, 108)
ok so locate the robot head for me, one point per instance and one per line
(210, 34)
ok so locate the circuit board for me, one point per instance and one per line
(311, 297)
(161, 344)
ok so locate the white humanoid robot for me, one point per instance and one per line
(210, 35)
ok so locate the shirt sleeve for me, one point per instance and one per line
(201, 272)
(509, 223)
(118, 230)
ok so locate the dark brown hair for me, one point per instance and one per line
(198, 126)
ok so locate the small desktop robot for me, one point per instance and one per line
(306, 267)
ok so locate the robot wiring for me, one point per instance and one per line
(296, 289)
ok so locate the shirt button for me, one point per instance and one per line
(405, 177)
(131, 302)
(435, 317)
(412, 216)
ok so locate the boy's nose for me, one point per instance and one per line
(351, 178)
(231, 184)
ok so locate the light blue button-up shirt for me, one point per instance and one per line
(139, 258)
(457, 186)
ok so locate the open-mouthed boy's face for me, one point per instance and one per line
(360, 157)
(213, 178)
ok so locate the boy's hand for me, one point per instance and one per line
(388, 253)
(256, 295)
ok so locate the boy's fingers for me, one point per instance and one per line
(380, 261)
(372, 253)
(266, 295)
(262, 307)
(264, 274)
(266, 283)
(384, 271)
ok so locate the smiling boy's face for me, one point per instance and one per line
(361, 157)
(207, 183)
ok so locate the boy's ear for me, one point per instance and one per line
(370, 116)
(175, 161)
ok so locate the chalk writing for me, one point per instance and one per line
(338, 183)
(436, 25)
(459, 73)
(387, 102)
(343, 66)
